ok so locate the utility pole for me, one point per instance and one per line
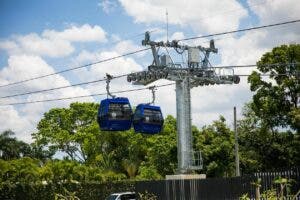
(236, 145)
(195, 72)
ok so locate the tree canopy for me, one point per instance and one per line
(276, 99)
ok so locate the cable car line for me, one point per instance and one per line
(116, 92)
(75, 68)
(242, 30)
(132, 36)
(123, 75)
(61, 87)
(264, 74)
(249, 6)
(254, 65)
(141, 50)
(82, 96)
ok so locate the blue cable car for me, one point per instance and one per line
(148, 119)
(115, 114)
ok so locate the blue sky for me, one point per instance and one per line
(38, 37)
(34, 16)
(24, 17)
(38, 15)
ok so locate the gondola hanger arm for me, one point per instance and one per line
(108, 79)
(152, 88)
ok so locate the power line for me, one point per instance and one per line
(115, 92)
(141, 50)
(254, 65)
(75, 68)
(82, 96)
(123, 75)
(133, 36)
(242, 30)
(264, 74)
(204, 18)
(231, 11)
(124, 39)
(61, 87)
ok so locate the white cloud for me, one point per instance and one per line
(10, 119)
(24, 67)
(201, 15)
(119, 66)
(36, 45)
(10, 46)
(23, 119)
(85, 33)
(107, 5)
(126, 46)
(53, 43)
(276, 10)
(177, 36)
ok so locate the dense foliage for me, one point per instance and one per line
(83, 191)
(276, 100)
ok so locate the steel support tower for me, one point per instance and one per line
(196, 72)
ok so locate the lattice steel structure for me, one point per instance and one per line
(196, 72)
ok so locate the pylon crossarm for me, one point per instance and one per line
(198, 76)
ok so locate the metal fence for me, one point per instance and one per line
(217, 188)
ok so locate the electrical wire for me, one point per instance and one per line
(263, 74)
(254, 65)
(82, 96)
(204, 18)
(61, 87)
(242, 30)
(115, 92)
(124, 39)
(105, 93)
(75, 68)
(132, 36)
(141, 50)
(123, 75)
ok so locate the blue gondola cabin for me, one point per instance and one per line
(115, 114)
(148, 119)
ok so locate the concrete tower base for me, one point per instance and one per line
(185, 176)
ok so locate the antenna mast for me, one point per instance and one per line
(167, 24)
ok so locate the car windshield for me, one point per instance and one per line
(128, 197)
(112, 197)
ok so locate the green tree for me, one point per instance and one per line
(216, 142)
(276, 99)
(260, 149)
(11, 147)
(161, 155)
(73, 131)
(270, 130)
(20, 170)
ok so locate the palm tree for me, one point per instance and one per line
(130, 167)
(11, 147)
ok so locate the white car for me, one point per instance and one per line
(122, 196)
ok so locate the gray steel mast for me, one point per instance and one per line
(196, 73)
